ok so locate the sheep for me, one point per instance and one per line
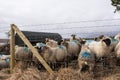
(101, 49)
(89, 42)
(3, 57)
(117, 37)
(86, 58)
(54, 54)
(96, 39)
(117, 53)
(73, 49)
(5, 49)
(114, 42)
(117, 49)
(73, 37)
(4, 63)
(39, 45)
(23, 53)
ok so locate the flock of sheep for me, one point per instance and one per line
(87, 52)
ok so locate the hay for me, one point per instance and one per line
(64, 74)
(113, 77)
(4, 74)
(21, 72)
(24, 72)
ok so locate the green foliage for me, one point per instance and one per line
(116, 3)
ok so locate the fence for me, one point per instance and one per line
(25, 40)
(63, 32)
(83, 29)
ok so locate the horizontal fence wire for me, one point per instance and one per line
(110, 27)
(84, 21)
(61, 28)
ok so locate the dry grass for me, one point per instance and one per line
(22, 72)
(63, 74)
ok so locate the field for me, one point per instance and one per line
(23, 72)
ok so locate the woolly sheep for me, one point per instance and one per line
(23, 53)
(117, 50)
(56, 54)
(86, 58)
(101, 49)
(117, 53)
(117, 37)
(73, 48)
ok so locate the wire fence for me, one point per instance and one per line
(84, 21)
(85, 28)
(80, 31)
(88, 28)
(78, 28)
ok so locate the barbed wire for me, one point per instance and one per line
(80, 27)
(100, 32)
(73, 27)
(84, 21)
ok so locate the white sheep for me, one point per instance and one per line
(101, 48)
(73, 37)
(117, 53)
(117, 49)
(117, 37)
(73, 48)
(86, 58)
(114, 42)
(51, 54)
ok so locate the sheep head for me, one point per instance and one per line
(64, 43)
(107, 41)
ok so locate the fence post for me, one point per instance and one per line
(35, 52)
(12, 49)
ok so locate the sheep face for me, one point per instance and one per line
(46, 53)
(73, 37)
(107, 41)
(45, 49)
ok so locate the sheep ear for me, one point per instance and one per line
(95, 39)
(101, 36)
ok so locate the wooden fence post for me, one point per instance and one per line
(12, 48)
(35, 52)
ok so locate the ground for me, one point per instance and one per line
(21, 72)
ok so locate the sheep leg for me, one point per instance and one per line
(80, 63)
(68, 59)
(80, 69)
(97, 59)
(91, 69)
(118, 62)
(103, 61)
